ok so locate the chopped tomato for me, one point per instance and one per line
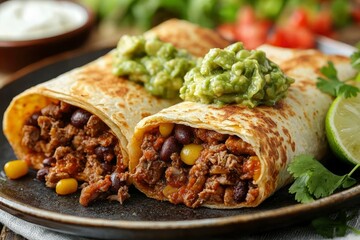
(252, 35)
(322, 23)
(289, 37)
(355, 13)
(299, 18)
(297, 32)
(250, 30)
(278, 38)
(246, 15)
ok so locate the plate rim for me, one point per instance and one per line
(299, 208)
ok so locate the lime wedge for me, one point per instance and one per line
(343, 128)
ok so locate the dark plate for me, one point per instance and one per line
(140, 217)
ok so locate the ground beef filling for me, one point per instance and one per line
(73, 143)
(224, 172)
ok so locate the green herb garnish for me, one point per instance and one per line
(313, 180)
(355, 62)
(332, 85)
(335, 226)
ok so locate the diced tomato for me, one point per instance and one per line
(246, 15)
(250, 30)
(289, 37)
(227, 31)
(299, 18)
(322, 23)
(355, 13)
(304, 38)
(279, 38)
(252, 35)
(297, 32)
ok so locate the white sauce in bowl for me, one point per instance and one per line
(35, 19)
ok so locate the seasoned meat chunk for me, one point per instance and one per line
(237, 146)
(31, 135)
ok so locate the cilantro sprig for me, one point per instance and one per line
(332, 85)
(355, 62)
(313, 180)
(336, 225)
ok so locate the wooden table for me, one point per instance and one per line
(107, 36)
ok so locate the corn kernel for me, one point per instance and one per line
(168, 190)
(66, 186)
(165, 129)
(16, 169)
(189, 153)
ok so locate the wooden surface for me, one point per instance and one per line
(106, 36)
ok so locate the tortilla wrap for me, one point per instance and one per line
(119, 103)
(294, 126)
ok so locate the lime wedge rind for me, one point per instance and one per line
(343, 128)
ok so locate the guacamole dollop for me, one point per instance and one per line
(159, 66)
(235, 75)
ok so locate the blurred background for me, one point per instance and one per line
(286, 23)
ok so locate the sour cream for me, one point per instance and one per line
(34, 19)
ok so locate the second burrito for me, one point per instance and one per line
(234, 156)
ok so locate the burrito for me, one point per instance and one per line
(233, 156)
(78, 125)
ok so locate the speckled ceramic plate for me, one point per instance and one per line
(140, 217)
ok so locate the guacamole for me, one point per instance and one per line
(235, 75)
(159, 66)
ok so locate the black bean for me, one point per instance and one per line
(115, 182)
(41, 174)
(107, 167)
(169, 147)
(183, 134)
(32, 120)
(101, 152)
(79, 118)
(48, 162)
(240, 191)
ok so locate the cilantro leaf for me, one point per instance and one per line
(326, 86)
(335, 226)
(332, 85)
(347, 90)
(300, 190)
(313, 180)
(330, 71)
(355, 60)
(324, 182)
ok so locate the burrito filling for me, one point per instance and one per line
(73, 143)
(197, 166)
